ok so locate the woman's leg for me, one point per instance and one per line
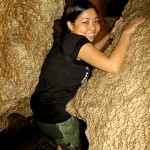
(58, 147)
(65, 134)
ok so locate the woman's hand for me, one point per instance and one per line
(113, 30)
(131, 26)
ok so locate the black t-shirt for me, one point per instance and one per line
(59, 80)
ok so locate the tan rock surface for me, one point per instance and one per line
(26, 36)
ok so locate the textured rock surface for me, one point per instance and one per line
(116, 107)
(26, 36)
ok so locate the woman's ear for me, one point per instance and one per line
(70, 25)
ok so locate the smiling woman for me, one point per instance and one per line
(87, 24)
(69, 65)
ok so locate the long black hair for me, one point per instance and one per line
(72, 12)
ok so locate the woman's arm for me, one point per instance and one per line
(100, 44)
(112, 63)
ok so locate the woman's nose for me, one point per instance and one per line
(92, 26)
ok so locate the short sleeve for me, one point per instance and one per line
(72, 44)
(82, 41)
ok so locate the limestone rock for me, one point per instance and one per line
(116, 107)
(26, 36)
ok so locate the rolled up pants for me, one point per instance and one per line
(65, 134)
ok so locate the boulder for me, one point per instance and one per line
(26, 38)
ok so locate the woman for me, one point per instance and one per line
(69, 65)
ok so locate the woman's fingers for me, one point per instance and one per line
(131, 26)
(118, 22)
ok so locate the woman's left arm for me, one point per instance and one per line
(100, 44)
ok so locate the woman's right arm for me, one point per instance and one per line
(113, 62)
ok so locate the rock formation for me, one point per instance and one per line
(26, 29)
(116, 107)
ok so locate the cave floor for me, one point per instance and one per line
(21, 134)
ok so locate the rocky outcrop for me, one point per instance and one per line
(26, 29)
(116, 107)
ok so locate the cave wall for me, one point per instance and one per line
(26, 29)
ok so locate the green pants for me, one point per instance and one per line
(65, 134)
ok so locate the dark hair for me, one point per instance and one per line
(72, 12)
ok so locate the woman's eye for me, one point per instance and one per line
(85, 22)
(96, 21)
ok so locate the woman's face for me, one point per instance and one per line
(87, 24)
